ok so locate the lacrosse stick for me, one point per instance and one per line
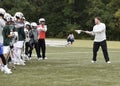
(79, 31)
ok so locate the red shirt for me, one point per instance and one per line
(42, 31)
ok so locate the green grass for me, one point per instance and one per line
(68, 66)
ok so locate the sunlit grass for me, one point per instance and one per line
(68, 66)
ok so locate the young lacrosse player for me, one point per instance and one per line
(42, 28)
(33, 39)
(19, 25)
(3, 64)
(8, 35)
(27, 43)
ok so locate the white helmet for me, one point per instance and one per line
(27, 23)
(13, 18)
(2, 11)
(41, 20)
(33, 24)
(19, 15)
(24, 18)
(8, 17)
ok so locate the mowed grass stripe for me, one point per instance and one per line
(65, 68)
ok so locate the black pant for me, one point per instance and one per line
(41, 46)
(30, 46)
(27, 48)
(70, 40)
(3, 59)
(103, 45)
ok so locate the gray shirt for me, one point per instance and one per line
(35, 34)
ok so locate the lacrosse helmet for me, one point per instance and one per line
(33, 24)
(27, 23)
(41, 20)
(7, 17)
(2, 11)
(19, 15)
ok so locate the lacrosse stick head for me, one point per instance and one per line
(78, 31)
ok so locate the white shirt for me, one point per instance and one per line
(99, 30)
(71, 36)
(2, 25)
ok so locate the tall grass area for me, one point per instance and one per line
(68, 66)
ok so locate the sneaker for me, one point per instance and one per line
(26, 57)
(16, 63)
(45, 58)
(2, 68)
(7, 72)
(108, 62)
(39, 59)
(93, 61)
(6, 68)
(29, 58)
(22, 63)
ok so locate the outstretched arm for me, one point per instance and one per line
(89, 32)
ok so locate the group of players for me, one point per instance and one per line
(16, 35)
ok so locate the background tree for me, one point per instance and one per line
(64, 16)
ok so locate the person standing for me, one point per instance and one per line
(42, 28)
(19, 25)
(3, 64)
(99, 31)
(8, 34)
(27, 44)
(33, 39)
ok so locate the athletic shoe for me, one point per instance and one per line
(7, 70)
(45, 58)
(16, 63)
(22, 63)
(108, 62)
(26, 57)
(39, 59)
(2, 68)
(29, 58)
(93, 61)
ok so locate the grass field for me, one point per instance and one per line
(68, 66)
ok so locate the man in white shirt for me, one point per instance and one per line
(99, 31)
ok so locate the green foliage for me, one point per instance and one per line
(64, 16)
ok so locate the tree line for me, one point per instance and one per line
(64, 16)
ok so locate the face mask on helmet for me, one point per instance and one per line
(33, 24)
(19, 15)
(27, 24)
(7, 17)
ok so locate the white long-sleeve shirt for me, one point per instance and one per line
(99, 30)
(2, 25)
